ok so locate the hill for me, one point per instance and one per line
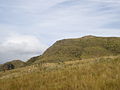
(1, 67)
(16, 63)
(32, 60)
(81, 48)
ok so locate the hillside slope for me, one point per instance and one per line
(16, 63)
(81, 48)
(32, 60)
(89, 74)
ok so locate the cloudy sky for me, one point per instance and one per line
(28, 27)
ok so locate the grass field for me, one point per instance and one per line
(90, 74)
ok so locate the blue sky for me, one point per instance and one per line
(28, 27)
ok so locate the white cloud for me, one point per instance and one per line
(20, 47)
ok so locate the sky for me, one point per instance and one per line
(29, 27)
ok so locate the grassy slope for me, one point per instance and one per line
(1, 67)
(81, 48)
(16, 63)
(32, 60)
(89, 74)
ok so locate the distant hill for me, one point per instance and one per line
(32, 60)
(16, 63)
(81, 48)
(0, 67)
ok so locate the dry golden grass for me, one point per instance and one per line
(92, 74)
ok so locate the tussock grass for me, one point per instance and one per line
(91, 74)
